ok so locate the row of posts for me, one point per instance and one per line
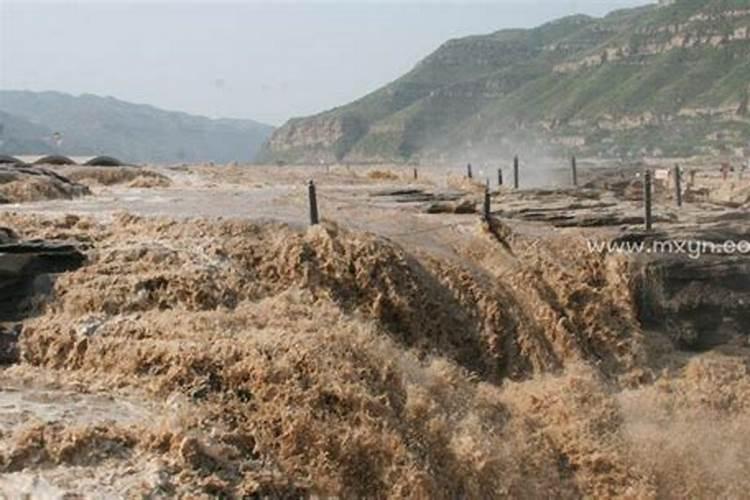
(516, 173)
(647, 188)
(647, 191)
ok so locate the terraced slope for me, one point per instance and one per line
(659, 80)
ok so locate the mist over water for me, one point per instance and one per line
(541, 165)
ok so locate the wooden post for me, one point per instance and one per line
(486, 211)
(647, 199)
(416, 174)
(678, 185)
(516, 182)
(499, 177)
(468, 171)
(574, 170)
(313, 203)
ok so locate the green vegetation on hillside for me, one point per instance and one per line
(650, 80)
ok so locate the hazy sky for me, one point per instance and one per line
(267, 61)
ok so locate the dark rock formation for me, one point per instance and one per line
(21, 183)
(577, 214)
(700, 300)
(412, 195)
(25, 269)
(54, 160)
(7, 235)
(9, 352)
(5, 159)
(105, 161)
(458, 207)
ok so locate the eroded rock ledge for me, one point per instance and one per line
(20, 183)
(26, 270)
(702, 301)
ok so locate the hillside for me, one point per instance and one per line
(19, 135)
(658, 80)
(92, 125)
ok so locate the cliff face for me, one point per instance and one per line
(322, 138)
(671, 79)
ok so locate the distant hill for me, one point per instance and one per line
(90, 125)
(18, 135)
(668, 79)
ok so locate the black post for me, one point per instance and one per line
(487, 202)
(468, 171)
(515, 172)
(647, 198)
(499, 176)
(678, 185)
(574, 170)
(313, 203)
(416, 175)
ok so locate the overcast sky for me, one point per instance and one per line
(267, 61)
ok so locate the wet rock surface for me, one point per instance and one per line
(9, 352)
(699, 294)
(7, 235)
(25, 272)
(445, 202)
(457, 207)
(410, 195)
(701, 304)
(22, 183)
(570, 208)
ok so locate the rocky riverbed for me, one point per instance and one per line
(198, 338)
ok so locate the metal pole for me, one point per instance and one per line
(574, 170)
(468, 171)
(678, 185)
(647, 199)
(499, 176)
(313, 203)
(515, 172)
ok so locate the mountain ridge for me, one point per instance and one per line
(655, 80)
(89, 124)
